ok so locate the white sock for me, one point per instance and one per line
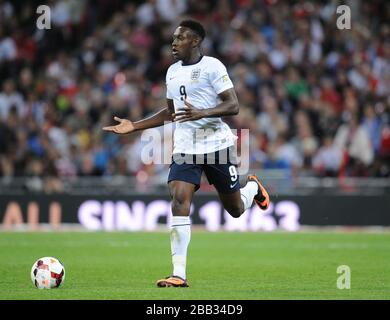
(180, 239)
(248, 193)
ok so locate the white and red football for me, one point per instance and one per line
(47, 273)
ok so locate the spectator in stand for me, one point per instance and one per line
(328, 159)
(283, 155)
(271, 121)
(304, 140)
(373, 126)
(358, 152)
(10, 98)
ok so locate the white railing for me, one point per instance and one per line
(277, 181)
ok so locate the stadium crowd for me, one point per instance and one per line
(315, 98)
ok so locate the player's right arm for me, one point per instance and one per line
(158, 119)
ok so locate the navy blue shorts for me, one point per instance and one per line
(220, 168)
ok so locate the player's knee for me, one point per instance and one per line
(234, 211)
(180, 205)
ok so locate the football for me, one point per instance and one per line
(47, 273)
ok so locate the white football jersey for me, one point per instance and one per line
(199, 84)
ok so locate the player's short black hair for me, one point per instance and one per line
(195, 26)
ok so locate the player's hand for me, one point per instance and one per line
(125, 126)
(188, 113)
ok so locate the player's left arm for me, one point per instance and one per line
(228, 107)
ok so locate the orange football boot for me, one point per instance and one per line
(172, 281)
(262, 197)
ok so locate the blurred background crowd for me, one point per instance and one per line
(315, 98)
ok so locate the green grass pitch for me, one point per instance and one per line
(102, 265)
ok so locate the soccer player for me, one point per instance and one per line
(199, 93)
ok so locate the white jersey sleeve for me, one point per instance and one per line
(219, 77)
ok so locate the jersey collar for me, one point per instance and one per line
(191, 64)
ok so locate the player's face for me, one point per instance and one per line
(183, 43)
